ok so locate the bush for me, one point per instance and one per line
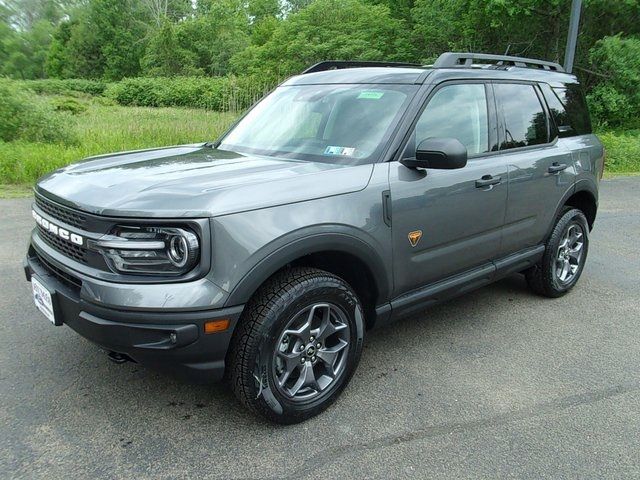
(212, 93)
(68, 104)
(616, 100)
(24, 117)
(623, 150)
(70, 87)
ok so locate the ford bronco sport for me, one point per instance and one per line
(353, 194)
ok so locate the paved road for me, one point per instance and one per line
(499, 383)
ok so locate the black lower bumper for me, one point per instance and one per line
(173, 342)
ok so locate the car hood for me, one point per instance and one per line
(194, 181)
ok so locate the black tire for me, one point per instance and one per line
(262, 332)
(543, 278)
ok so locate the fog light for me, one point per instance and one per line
(215, 326)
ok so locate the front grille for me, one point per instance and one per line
(66, 278)
(63, 214)
(63, 246)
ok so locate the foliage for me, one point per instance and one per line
(165, 57)
(215, 36)
(353, 31)
(71, 87)
(616, 100)
(68, 104)
(102, 41)
(110, 129)
(623, 150)
(218, 93)
(24, 117)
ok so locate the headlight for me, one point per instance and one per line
(150, 250)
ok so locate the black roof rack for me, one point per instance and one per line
(340, 64)
(466, 60)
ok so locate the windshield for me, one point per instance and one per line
(329, 123)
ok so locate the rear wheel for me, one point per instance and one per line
(564, 256)
(297, 345)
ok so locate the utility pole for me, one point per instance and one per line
(572, 36)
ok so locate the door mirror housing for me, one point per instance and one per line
(439, 153)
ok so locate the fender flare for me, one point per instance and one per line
(308, 244)
(580, 186)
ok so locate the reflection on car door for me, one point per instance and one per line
(456, 214)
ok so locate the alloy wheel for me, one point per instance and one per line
(569, 254)
(311, 353)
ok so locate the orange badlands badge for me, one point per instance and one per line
(414, 237)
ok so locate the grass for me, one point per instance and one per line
(15, 191)
(103, 129)
(623, 151)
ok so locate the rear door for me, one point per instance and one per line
(540, 168)
(448, 221)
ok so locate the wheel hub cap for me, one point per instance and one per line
(311, 354)
(569, 254)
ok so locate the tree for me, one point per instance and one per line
(215, 35)
(616, 97)
(104, 39)
(353, 31)
(166, 57)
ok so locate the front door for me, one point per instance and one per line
(448, 221)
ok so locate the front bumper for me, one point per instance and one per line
(169, 341)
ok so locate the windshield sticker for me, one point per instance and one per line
(342, 151)
(371, 95)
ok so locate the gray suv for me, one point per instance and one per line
(353, 194)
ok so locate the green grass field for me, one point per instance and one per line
(103, 129)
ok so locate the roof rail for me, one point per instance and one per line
(340, 64)
(466, 60)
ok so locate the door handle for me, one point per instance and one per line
(487, 181)
(556, 167)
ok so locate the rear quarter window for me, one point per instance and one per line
(568, 108)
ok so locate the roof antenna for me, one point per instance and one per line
(506, 52)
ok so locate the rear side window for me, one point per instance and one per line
(525, 122)
(569, 109)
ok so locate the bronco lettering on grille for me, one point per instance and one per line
(57, 230)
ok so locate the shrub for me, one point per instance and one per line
(212, 93)
(24, 117)
(70, 87)
(616, 100)
(68, 104)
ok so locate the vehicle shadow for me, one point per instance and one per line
(214, 404)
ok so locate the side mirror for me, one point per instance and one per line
(440, 153)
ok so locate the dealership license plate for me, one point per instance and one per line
(42, 299)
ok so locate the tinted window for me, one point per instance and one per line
(457, 111)
(569, 108)
(525, 122)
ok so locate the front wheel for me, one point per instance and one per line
(297, 345)
(564, 256)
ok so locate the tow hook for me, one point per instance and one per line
(116, 357)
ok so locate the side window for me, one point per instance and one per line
(569, 108)
(525, 122)
(456, 111)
